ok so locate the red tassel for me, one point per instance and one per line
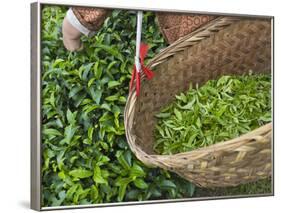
(136, 75)
(143, 52)
(133, 77)
(138, 83)
(149, 74)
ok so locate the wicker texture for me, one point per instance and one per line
(226, 45)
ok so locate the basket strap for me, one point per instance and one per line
(138, 41)
(141, 51)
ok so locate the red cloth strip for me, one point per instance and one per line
(136, 75)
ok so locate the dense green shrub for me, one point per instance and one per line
(85, 155)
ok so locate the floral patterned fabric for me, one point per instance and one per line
(172, 25)
(91, 18)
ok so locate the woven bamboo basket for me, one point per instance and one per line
(225, 45)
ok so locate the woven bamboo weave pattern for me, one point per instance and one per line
(226, 45)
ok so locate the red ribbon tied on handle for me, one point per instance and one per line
(135, 74)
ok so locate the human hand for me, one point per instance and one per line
(71, 36)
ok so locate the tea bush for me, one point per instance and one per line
(85, 155)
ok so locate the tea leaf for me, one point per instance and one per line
(140, 183)
(112, 84)
(98, 176)
(81, 173)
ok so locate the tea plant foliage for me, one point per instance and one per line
(85, 156)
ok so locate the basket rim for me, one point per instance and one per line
(192, 38)
(264, 129)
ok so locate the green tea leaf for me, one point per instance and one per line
(74, 90)
(112, 84)
(167, 184)
(71, 117)
(178, 114)
(98, 176)
(80, 173)
(137, 171)
(52, 132)
(163, 115)
(97, 70)
(140, 183)
(96, 94)
(69, 132)
(112, 98)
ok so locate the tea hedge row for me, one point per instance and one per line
(86, 158)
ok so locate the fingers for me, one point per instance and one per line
(71, 36)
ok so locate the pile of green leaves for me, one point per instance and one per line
(219, 110)
(85, 156)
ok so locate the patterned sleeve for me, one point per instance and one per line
(87, 20)
(174, 25)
